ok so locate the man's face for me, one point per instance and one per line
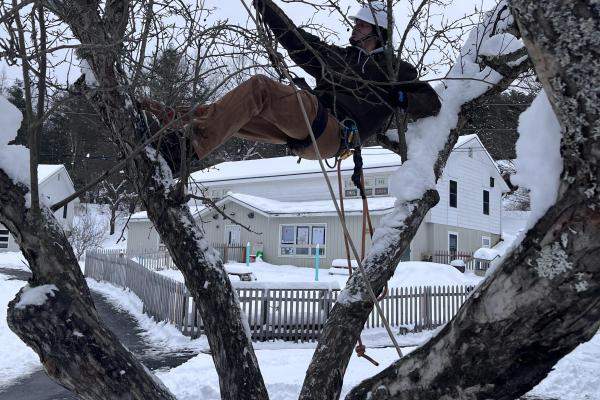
(361, 31)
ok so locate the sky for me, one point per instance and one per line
(235, 13)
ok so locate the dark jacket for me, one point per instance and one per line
(342, 73)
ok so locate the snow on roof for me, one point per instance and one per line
(143, 215)
(464, 139)
(373, 157)
(276, 207)
(45, 171)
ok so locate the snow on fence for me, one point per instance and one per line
(273, 313)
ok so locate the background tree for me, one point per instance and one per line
(118, 197)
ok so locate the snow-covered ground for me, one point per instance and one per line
(284, 364)
(16, 358)
(412, 273)
(13, 260)
(283, 372)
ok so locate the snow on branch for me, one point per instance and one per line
(14, 160)
(426, 138)
(539, 162)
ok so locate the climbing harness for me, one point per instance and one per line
(347, 237)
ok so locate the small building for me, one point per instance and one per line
(288, 212)
(54, 185)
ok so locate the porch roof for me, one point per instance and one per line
(276, 208)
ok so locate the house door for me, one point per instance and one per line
(233, 235)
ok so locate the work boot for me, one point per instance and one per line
(169, 144)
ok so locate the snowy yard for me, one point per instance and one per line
(282, 364)
(412, 273)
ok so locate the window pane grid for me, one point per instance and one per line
(374, 186)
(302, 240)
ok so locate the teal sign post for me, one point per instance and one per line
(248, 254)
(317, 262)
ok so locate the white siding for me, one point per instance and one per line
(142, 237)
(289, 188)
(52, 190)
(473, 177)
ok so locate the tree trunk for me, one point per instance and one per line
(74, 347)
(513, 329)
(205, 277)
(113, 218)
(545, 298)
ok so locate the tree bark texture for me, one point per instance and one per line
(340, 334)
(545, 298)
(205, 277)
(74, 347)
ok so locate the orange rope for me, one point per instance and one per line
(360, 349)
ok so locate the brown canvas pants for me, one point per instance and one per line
(263, 110)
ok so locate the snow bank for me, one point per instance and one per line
(16, 358)
(539, 163)
(14, 160)
(420, 273)
(159, 334)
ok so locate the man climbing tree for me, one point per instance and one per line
(354, 89)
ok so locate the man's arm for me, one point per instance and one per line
(418, 99)
(303, 47)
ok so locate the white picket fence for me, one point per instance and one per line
(294, 314)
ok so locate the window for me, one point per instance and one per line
(492, 182)
(287, 234)
(452, 242)
(486, 241)
(3, 239)
(65, 208)
(486, 202)
(302, 234)
(302, 240)
(453, 194)
(471, 152)
(377, 186)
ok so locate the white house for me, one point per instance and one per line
(287, 206)
(54, 185)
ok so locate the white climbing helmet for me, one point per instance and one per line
(374, 12)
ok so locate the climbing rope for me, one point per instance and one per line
(332, 194)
